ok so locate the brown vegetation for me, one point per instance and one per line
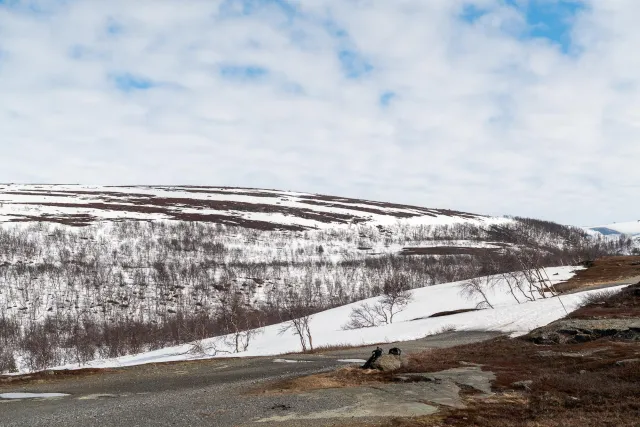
(604, 270)
(448, 250)
(147, 203)
(582, 385)
(340, 378)
(609, 305)
(573, 385)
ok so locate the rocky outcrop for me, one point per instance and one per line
(567, 331)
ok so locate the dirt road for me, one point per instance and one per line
(205, 393)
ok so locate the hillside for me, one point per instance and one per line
(110, 271)
(79, 205)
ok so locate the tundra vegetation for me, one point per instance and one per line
(72, 294)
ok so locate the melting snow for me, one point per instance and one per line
(31, 395)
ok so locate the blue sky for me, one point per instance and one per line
(550, 20)
(521, 107)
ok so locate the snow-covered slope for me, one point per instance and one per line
(251, 208)
(327, 327)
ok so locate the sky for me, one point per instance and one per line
(500, 107)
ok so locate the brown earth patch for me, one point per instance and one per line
(575, 385)
(624, 304)
(602, 271)
(447, 250)
(452, 312)
(340, 378)
(423, 211)
(53, 375)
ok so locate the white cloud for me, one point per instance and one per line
(482, 119)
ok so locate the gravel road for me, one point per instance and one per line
(204, 393)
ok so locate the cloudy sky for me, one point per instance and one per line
(521, 107)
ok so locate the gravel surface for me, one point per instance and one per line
(204, 393)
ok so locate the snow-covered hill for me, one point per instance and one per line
(251, 208)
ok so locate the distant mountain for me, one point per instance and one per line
(631, 228)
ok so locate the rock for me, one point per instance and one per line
(387, 363)
(627, 362)
(462, 362)
(582, 338)
(524, 385)
(566, 331)
(416, 378)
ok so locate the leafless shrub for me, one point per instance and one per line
(597, 297)
(365, 316)
(446, 328)
(39, 348)
(297, 309)
(7, 361)
(395, 298)
(478, 287)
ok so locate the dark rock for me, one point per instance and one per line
(523, 385)
(627, 362)
(582, 338)
(416, 378)
(567, 331)
(281, 407)
(395, 351)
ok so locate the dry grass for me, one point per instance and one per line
(602, 271)
(341, 378)
(607, 305)
(565, 391)
(51, 375)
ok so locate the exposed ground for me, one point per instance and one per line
(448, 250)
(220, 392)
(604, 271)
(593, 383)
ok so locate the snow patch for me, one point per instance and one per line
(31, 395)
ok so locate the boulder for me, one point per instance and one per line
(388, 363)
